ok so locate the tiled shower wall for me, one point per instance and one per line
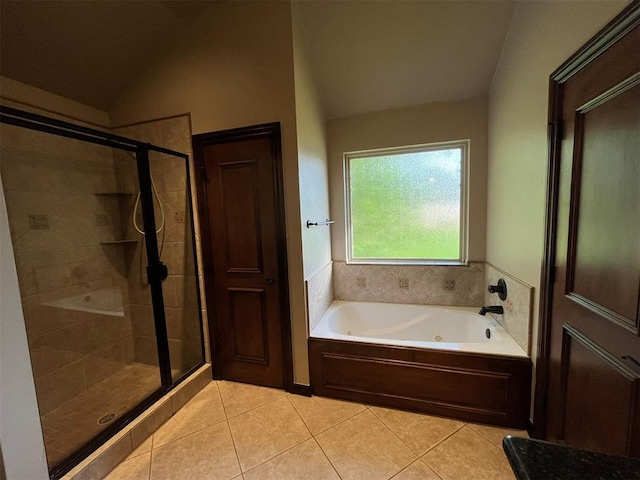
(518, 307)
(319, 291)
(418, 284)
(169, 176)
(61, 263)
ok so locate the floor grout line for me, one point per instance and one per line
(395, 435)
(150, 462)
(448, 436)
(312, 436)
(191, 432)
(300, 417)
(341, 422)
(327, 457)
(235, 449)
(251, 409)
(278, 454)
(401, 441)
(293, 446)
(335, 425)
(254, 408)
(470, 425)
(199, 430)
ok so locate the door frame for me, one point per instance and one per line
(625, 21)
(271, 131)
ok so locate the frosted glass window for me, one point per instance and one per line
(407, 205)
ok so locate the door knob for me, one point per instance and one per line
(271, 281)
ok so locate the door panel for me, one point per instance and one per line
(246, 272)
(249, 324)
(586, 369)
(605, 232)
(591, 301)
(241, 228)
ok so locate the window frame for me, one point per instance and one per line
(465, 147)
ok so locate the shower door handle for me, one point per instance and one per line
(271, 281)
(157, 271)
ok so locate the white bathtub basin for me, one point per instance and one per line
(423, 326)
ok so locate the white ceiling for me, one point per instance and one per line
(367, 55)
(376, 55)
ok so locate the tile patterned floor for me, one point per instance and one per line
(73, 424)
(232, 431)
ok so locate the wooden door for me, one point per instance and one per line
(592, 300)
(241, 213)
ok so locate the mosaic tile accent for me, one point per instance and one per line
(319, 287)
(516, 319)
(417, 284)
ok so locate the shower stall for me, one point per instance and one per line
(103, 236)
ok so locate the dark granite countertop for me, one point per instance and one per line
(537, 460)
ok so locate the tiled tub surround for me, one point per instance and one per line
(492, 387)
(516, 319)
(319, 291)
(461, 286)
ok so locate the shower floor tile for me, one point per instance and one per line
(283, 440)
(73, 424)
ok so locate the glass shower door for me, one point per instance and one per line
(176, 247)
(89, 320)
(103, 239)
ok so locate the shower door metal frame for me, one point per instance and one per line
(156, 270)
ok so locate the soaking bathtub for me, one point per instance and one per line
(441, 360)
(422, 326)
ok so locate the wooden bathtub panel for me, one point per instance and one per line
(471, 387)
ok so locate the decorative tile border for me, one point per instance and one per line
(320, 293)
(461, 285)
(516, 319)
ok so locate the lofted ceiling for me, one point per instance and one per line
(88, 50)
(367, 55)
(376, 55)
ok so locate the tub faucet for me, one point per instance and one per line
(494, 309)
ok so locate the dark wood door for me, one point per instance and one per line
(593, 385)
(242, 217)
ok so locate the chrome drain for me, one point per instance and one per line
(108, 418)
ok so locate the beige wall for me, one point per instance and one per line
(542, 35)
(233, 67)
(48, 103)
(435, 122)
(312, 154)
(313, 177)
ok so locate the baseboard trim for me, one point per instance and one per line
(531, 429)
(299, 389)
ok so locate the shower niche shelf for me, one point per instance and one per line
(114, 194)
(119, 242)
